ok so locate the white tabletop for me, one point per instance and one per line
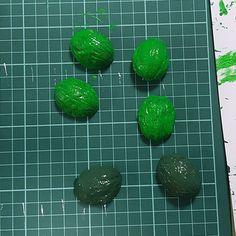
(224, 28)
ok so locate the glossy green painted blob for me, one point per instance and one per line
(223, 9)
(92, 49)
(98, 186)
(76, 98)
(156, 118)
(226, 68)
(178, 176)
(150, 59)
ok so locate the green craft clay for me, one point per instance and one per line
(92, 49)
(178, 176)
(156, 118)
(150, 59)
(98, 186)
(76, 98)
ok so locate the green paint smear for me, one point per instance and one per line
(223, 9)
(101, 11)
(94, 77)
(226, 61)
(231, 78)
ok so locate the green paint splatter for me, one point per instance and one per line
(94, 77)
(223, 9)
(226, 61)
(226, 67)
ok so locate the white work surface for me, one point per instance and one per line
(224, 29)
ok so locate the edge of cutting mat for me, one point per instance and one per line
(224, 215)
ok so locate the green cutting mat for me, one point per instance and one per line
(42, 151)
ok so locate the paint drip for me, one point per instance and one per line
(63, 206)
(226, 68)
(84, 211)
(32, 74)
(105, 209)
(41, 210)
(100, 74)
(5, 68)
(119, 78)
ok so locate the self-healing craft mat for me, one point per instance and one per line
(42, 150)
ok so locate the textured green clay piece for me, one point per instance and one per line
(98, 186)
(76, 98)
(92, 49)
(150, 59)
(178, 176)
(156, 118)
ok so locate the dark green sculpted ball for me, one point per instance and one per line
(178, 176)
(150, 59)
(156, 118)
(98, 185)
(92, 49)
(76, 98)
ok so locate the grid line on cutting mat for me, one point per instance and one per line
(39, 163)
(24, 204)
(186, 110)
(204, 216)
(210, 84)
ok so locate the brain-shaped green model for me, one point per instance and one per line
(150, 59)
(76, 98)
(92, 49)
(156, 118)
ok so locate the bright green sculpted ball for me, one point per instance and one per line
(150, 59)
(92, 49)
(76, 98)
(156, 118)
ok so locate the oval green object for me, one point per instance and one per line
(150, 59)
(76, 98)
(92, 49)
(178, 176)
(98, 186)
(156, 118)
